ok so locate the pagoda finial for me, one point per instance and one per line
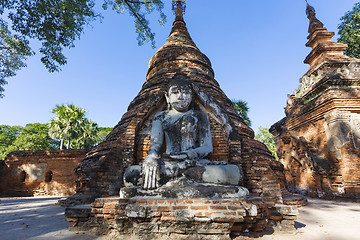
(311, 15)
(309, 9)
(178, 6)
(320, 41)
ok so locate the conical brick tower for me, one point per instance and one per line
(100, 174)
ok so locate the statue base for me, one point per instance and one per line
(184, 218)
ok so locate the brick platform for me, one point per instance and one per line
(178, 218)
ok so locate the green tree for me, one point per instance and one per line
(242, 108)
(87, 135)
(13, 51)
(263, 135)
(8, 134)
(31, 137)
(349, 31)
(67, 123)
(103, 132)
(57, 24)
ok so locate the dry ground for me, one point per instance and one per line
(40, 218)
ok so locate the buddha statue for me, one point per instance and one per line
(184, 133)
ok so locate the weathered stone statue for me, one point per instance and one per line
(184, 133)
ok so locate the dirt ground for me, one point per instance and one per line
(40, 218)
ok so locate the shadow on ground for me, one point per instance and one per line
(34, 218)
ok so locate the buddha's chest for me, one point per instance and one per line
(181, 127)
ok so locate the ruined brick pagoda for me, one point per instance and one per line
(318, 140)
(100, 174)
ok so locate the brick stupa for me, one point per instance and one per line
(318, 140)
(100, 174)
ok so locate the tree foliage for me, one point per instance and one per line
(71, 124)
(263, 135)
(349, 31)
(103, 132)
(33, 136)
(87, 135)
(242, 108)
(57, 24)
(138, 10)
(14, 50)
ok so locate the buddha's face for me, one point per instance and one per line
(179, 97)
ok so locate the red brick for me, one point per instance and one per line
(96, 204)
(106, 211)
(179, 201)
(72, 219)
(230, 213)
(150, 202)
(234, 207)
(199, 207)
(179, 207)
(170, 201)
(168, 216)
(160, 201)
(199, 214)
(108, 216)
(214, 207)
(142, 201)
(197, 201)
(189, 201)
(162, 209)
(109, 205)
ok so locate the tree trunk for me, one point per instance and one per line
(61, 143)
(68, 144)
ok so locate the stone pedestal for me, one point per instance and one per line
(155, 218)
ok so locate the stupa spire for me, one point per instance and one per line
(179, 6)
(323, 49)
(311, 15)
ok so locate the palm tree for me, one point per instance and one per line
(55, 131)
(88, 135)
(67, 122)
(242, 108)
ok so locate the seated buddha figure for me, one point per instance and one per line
(185, 135)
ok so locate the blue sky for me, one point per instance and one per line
(256, 48)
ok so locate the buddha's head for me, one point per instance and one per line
(179, 93)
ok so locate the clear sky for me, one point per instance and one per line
(256, 48)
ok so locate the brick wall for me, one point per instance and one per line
(41, 172)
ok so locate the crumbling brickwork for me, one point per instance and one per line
(318, 140)
(39, 172)
(177, 218)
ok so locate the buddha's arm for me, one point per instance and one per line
(157, 137)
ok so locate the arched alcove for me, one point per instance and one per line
(48, 176)
(22, 176)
